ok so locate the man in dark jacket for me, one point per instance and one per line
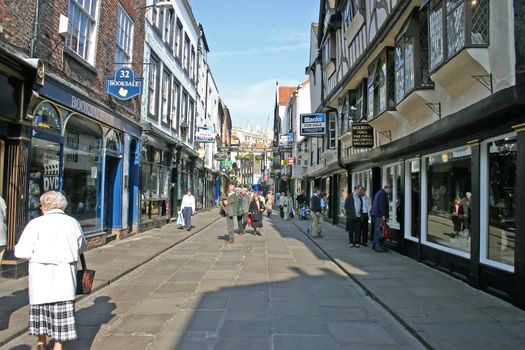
(353, 209)
(379, 213)
(317, 217)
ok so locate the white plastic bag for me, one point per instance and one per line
(180, 218)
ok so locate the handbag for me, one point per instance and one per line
(386, 232)
(85, 278)
(249, 222)
(180, 218)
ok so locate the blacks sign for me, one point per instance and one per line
(362, 135)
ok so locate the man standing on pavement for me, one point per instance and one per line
(188, 208)
(301, 200)
(353, 216)
(364, 217)
(244, 208)
(317, 216)
(379, 213)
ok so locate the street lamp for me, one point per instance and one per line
(161, 5)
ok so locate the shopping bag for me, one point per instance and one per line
(249, 223)
(386, 232)
(85, 278)
(180, 218)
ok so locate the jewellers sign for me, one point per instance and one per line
(362, 135)
(124, 85)
(313, 124)
(205, 134)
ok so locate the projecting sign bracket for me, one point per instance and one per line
(486, 81)
(436, 108)
(387, 134)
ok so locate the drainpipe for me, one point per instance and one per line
(35, 30)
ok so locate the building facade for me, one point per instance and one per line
(441, 85)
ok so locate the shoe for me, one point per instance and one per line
(229, 242)
(352, 245)
(188, 229)
(357, 245)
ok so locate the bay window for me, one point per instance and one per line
(454, 25)
(381, 83)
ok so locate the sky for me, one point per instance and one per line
(254, 44)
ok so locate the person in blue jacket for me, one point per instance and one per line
(380, 213)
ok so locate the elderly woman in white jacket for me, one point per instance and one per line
(52, 244)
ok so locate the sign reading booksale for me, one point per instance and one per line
(313, 124)
(286, 140)
(205, 134)
(124, 85)
(362, 135)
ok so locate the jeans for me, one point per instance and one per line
(229, 225)
(186, 212)
(377, 233)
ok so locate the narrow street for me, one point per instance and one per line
(278, 291)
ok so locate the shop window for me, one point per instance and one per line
(448, 182)
(364, 178)
(153, 82)
(392, 176)
(123, 50)
(411, 57)
(82, 178)
(498, 199)
(449, 22)
(113, 142)
(413, 199)
(46, 118)
(381, 84)
(82, 27)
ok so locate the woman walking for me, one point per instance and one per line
(257, 209)
(188, 208)
(270, 201)
(288, 207)
(52, 244)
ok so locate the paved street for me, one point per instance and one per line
(277, 291)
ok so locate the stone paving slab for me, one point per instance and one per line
(444, 312)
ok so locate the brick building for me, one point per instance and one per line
(59, 129)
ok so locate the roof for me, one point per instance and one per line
(284, 94)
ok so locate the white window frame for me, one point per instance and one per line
(484, 209)
(125, 29)
(391, 220)
(424, 206)
(91, 30)
(408, 199)
(367, 183)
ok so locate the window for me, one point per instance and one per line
(357, 102)
(329, 49)
(184, 108)
(448, 182)
(191, 116)
(154, 69)
(175, 92)
(186, 58)
(192, 63)
(449, 22)
(392, 176)
(82, 28)
(498, 201)
(380, 84)
(177, 43)
(348, 14)
(165, 101)
(156, 15)
(168, 27)
(332, 133)
(411, 60)
(124, 43)
(413, 199)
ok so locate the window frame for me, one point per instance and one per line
(395, 224)
(484, 208)
(165, 102)
(168, 33)
(178, 39)
(186, 53)
(375, 84)
(91, 29)
(408, 200)
(175, 101)
(154, 67)
(332, 131)
(123, 16)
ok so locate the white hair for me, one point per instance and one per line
(53, 200)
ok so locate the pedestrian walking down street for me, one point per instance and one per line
(353, 206)
(324, 207)
(228, 210)
(364, 217)
(379, 213)
(270, 201)
(317, 216)
(188, 208)
(257, 209)
(52, 244)
(287, 207)
(281, 204)
(244, 207)
(300, 201)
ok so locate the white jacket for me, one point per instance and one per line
(188, 201)
(52, 244)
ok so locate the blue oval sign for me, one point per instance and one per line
(124, 84)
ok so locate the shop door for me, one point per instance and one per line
(133, 185)
(112, 192)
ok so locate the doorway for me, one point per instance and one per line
(112, 193)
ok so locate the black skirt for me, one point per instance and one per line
(257, 223)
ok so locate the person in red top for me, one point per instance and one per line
(457, 215)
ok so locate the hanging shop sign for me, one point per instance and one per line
(220, 156)
(124, 85)
(286, 140)
(362, 135)
(291, 160)
(255, 149)
(205, 134)
(313, 124)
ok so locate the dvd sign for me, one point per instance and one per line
(313, 124)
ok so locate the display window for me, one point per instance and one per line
(413, 199)
(447, 188)
(499, 159)
(82, 181)
(392, 176)
(343, 193)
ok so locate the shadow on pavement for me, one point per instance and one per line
(10, 304)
